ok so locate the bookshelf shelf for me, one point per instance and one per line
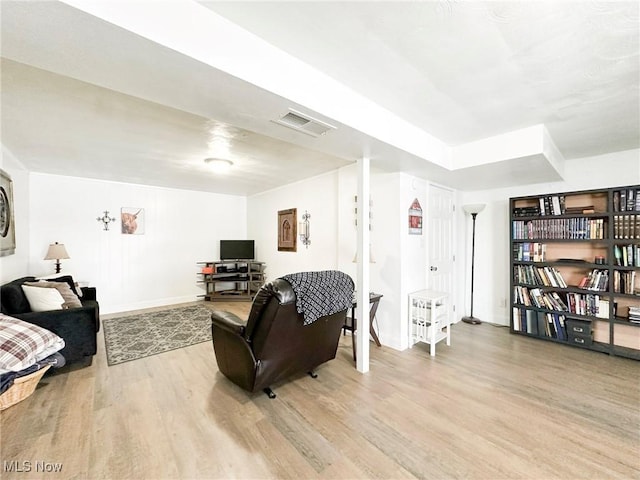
(575, 268)
(625, 321)
(627, 295)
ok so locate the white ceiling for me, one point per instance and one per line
(83, 96)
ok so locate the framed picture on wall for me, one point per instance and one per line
(287, 224)
(132, 220)
(415, 218)
(7, 218)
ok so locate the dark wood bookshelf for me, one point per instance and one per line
(615, 215)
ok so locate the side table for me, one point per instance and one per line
(429, 318)
(374, 300)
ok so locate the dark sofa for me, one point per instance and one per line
(273, 344)
(78, 327)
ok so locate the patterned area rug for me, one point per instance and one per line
(138, 336)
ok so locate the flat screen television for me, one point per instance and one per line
(237, 250)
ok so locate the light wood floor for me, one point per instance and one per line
(491, 406)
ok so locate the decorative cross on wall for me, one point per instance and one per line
(106, 219)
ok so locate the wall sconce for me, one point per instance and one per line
(56, 252)
(303, 228)
(106, 219)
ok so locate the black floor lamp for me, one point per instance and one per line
(473, 210)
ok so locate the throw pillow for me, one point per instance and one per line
(71, 300)
(68, 279)
(14, 300)
(22, 344)
(43, 299)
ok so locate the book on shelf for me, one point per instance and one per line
(530, 275)
(581, 228)
(555, 326)
(626, 200)
(525, 320)
(551, 205)
(526, 211)
(626, 227)
(597, 279)
(558, 303)
(543, 299)
(531, 324)
(585, 304)
(539, 252)
(541, 318)
(536, 298)
(555, 277)
(541, 276)
(555, 203)
(559, 325)
(602, 308)
(617, 254)
(521, 296)
(624, 282)
(627, 255)
(515, 315)
(580, 210)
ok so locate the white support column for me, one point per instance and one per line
(362, 281)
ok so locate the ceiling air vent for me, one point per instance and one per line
(304, 123)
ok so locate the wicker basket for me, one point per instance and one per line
(22, 387)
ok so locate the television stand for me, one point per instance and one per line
(231, 280)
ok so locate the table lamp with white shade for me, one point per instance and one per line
(56, 252)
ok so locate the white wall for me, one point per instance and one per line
(385, 272)
(17, 265)
(399, 258)
(130, 271)
(319, 197)
(414, 250)
(492, 270)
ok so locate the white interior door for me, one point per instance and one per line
(440, 269)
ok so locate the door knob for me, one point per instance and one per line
(433, 269)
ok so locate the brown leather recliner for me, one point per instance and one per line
(273, 344)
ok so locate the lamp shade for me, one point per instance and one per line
(56, 251)
(474, 208)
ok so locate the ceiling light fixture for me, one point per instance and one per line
(218, 165)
